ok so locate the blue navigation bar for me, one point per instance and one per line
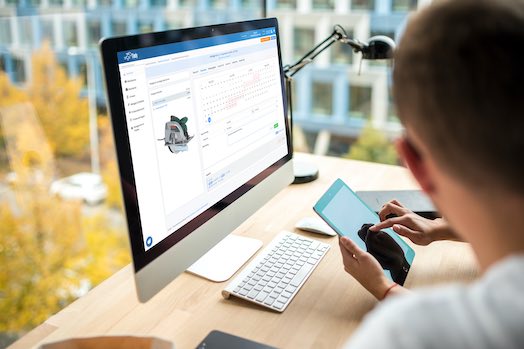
(160, 50)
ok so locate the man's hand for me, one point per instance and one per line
(420, 230)
(364, 267)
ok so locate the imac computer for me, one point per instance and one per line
(202, 140)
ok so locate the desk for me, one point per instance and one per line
(323, 314)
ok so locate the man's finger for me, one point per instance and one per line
(388, 223)
(351, 247)
(391, 208)
(404, 231)
(396, 202)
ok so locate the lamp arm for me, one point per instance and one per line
(311, 54)
(338, 34)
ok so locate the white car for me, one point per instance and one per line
(85, 186)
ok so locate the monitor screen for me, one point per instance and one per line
(199, 118)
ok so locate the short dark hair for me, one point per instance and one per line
(459, 84)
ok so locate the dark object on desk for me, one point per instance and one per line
(387, 252)
(415, 200)
(304, 172)
(221, 340)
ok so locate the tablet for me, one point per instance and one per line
(349, 216)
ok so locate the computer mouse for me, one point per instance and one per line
(315, 225)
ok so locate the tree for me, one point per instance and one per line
(9, 95)
(372, 145)
(108, 163)
(50, 252)
(56, 98)
(41, 256)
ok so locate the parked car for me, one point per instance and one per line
(85, 186)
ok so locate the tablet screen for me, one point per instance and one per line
(343, 210)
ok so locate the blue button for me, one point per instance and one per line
(209, 119)
(149, 241)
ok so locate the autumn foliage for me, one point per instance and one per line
(51, 250)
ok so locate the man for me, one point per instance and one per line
(458, 86)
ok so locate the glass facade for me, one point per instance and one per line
(360, 102)
(304, 40)
(323, 99)
(365, 5)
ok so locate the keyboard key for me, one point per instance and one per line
(252, 294)
(286, 294)
(269, 300)
(278, 305)
(261, 296)
(291, 288)
(301, 275)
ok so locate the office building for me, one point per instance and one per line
(348, 94)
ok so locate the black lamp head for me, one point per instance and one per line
(378, 47)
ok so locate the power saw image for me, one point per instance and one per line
(176, 135)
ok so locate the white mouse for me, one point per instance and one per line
(315, 225)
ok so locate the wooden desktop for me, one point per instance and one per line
(324, 313)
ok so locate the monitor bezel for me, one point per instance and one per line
(109, 49)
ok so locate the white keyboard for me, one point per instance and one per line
(278, 272)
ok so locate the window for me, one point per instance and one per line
(26, 30)
(367, 5)
(324, 4)
(18, 72)
(5, 31)
(145, 26)
(61, 108)
(360, 102)
(404, 5)
(304, 40)
(82, 73)
(392, 111)
(78, 3)
(286, 4)
(70, 34)
(158, 3)
(48, 31)
(118, 28)
(2, 63)
(218, 4)
(94, 31)
(323, 98)
(187, 3)
(131, 3)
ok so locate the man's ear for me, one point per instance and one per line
(416, 163)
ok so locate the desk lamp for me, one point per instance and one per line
(377, 47)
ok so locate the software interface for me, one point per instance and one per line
(204, 117)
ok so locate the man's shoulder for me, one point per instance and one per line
(488, 313)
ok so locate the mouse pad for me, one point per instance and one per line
(349, 216)
(221, 340)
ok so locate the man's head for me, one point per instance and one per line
(459, 89)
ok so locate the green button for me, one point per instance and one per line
(275, 125)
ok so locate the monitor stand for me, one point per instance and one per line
(225, 258)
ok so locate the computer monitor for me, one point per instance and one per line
(202, 138)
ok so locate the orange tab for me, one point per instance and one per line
(264, 39)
